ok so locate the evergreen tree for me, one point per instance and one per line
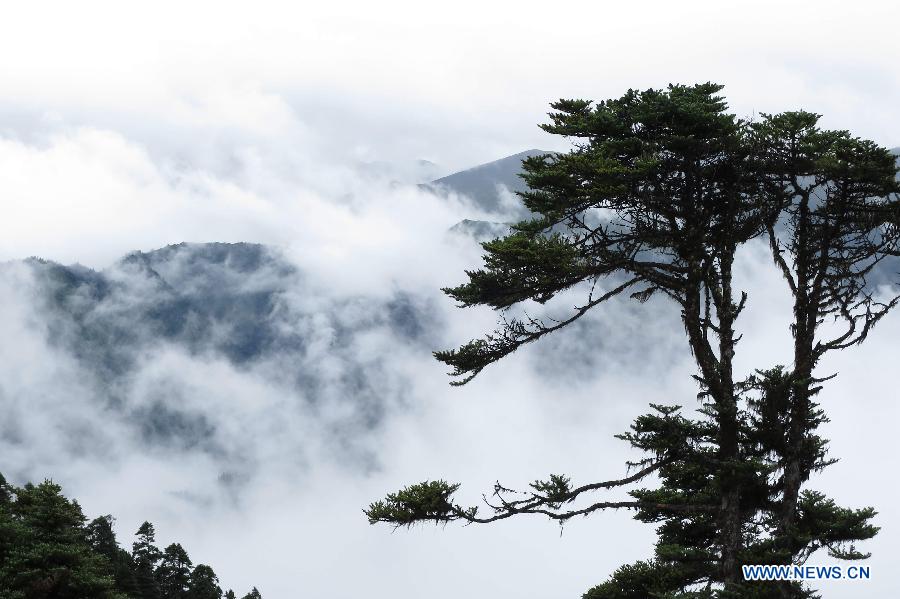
(229, 594)
(253, 594)
(10, 529)
(659, 193)
(101, 536)
(102, 539)
(47, 551)
(6, 492)
(838, 220)
(145, 556)
(45, 548)
(173, 575)
(204, 583)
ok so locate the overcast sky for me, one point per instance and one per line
(128, 127)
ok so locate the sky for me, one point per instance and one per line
(126, 127)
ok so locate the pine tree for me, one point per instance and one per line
(204, 583)
(253, 594)
(659, 193)
(102, 539)
(45, 547)
(173, 575)
(838, 220)
(48, 552)
(10, 529)
(145, 557)
(101, 536)
(6, 492)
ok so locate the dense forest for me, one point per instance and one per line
(49, 549)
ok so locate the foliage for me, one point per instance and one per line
(204, 584)
(174, 572)
(659, 192)
(45, 548)
(48, 550)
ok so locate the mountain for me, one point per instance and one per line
(226, 298)
(491, 185)
(241, 304)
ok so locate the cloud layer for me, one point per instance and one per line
(124, 131)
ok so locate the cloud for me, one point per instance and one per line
(124, 131)
(402, 81)
(266, 483)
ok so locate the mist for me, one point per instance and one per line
(123, 133)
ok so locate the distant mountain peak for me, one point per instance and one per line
(483, 183)
(514, 160)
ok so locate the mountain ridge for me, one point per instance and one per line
(485, 182)
(243, 304)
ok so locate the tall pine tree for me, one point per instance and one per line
(662, 189)
(102, 539)
(173, 575)
(145, 556)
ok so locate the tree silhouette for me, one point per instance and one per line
(661, 190)
(48, 552)
(173, 575)
(103, 541)
(146, 555)
(204, 583)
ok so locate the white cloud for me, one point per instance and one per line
(125, 128)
